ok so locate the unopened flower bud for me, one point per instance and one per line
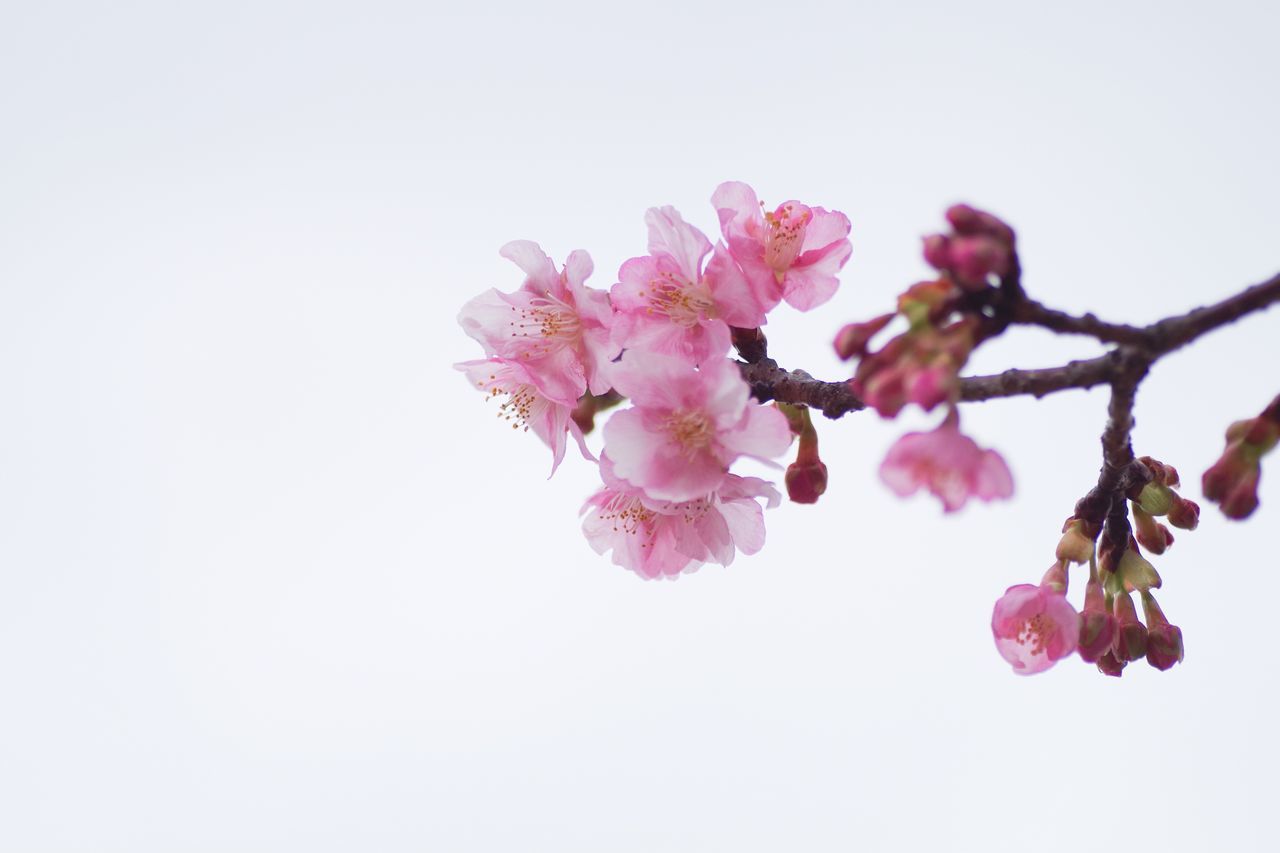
(975, 259)
(1109, 664)
(1156, 498)
(1151, 534)
(853, 339)
(1136, 572)
(1097, 625)
(1074, 546)
(1232, 481)
(1131, 634)
(1164, 641)
(1184, 514)
(806, 482)
(1160, 473)
(806, 478)
(936, 252)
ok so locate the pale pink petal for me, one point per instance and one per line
(540, 270)
(826, 227)
(737, 299)
(763, 434)
(670, 235)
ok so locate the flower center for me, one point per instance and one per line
(545, 326)
(786, 227)
(683, 302)
(627, 513)
(1035, 632)
(692, 430)
(523, 403)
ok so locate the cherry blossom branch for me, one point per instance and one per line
(1141, 347)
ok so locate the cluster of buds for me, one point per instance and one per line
(1232, 482)
(922, 364)
(981, 246)
(1108, 632)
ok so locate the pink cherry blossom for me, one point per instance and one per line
(1034, 626)
(525, 404)
(687, 425)
(947, 463)
(791, 253)
(667, 303)
(660, 539)
(554, 325)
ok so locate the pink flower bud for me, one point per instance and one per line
(1184, 514)
(1151, 534)
(968, 220)
(806, 481)
(1164, 641)
(975, 259)
(852, 340)
(1097, 626)
(1232, 482)
(1131, 635)
(1109, 664)
(936, 251)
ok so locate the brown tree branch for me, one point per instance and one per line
(1123, 367)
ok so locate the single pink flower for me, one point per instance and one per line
(791, 253)
(1034, 626)
(667, 303)
(554, 325)
(947, 463)
(687, 425)
(526, 405)
(657, 539)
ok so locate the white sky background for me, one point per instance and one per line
(273, 577)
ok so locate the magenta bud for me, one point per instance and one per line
(852, 340)
(806, 481)
(1184, 514)
(1109, 664)
(1151, 534)
(936, 253)
(974, 259)
(1131, 635)
(1097, 633)
(1164, 646)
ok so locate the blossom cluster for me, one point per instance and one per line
(558, 351)
(1035, 626)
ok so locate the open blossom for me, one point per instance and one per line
(947, 463)
(657, 539)
(791, 253)
(1034, 627)
(554, 325)
(667, 303)
(526, 405)
(687, 426)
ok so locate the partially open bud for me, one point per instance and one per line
(1074, 546)
(1164, 641)
(1184, 514)
(853, 339)
(1151, 534)
(1131, 634)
